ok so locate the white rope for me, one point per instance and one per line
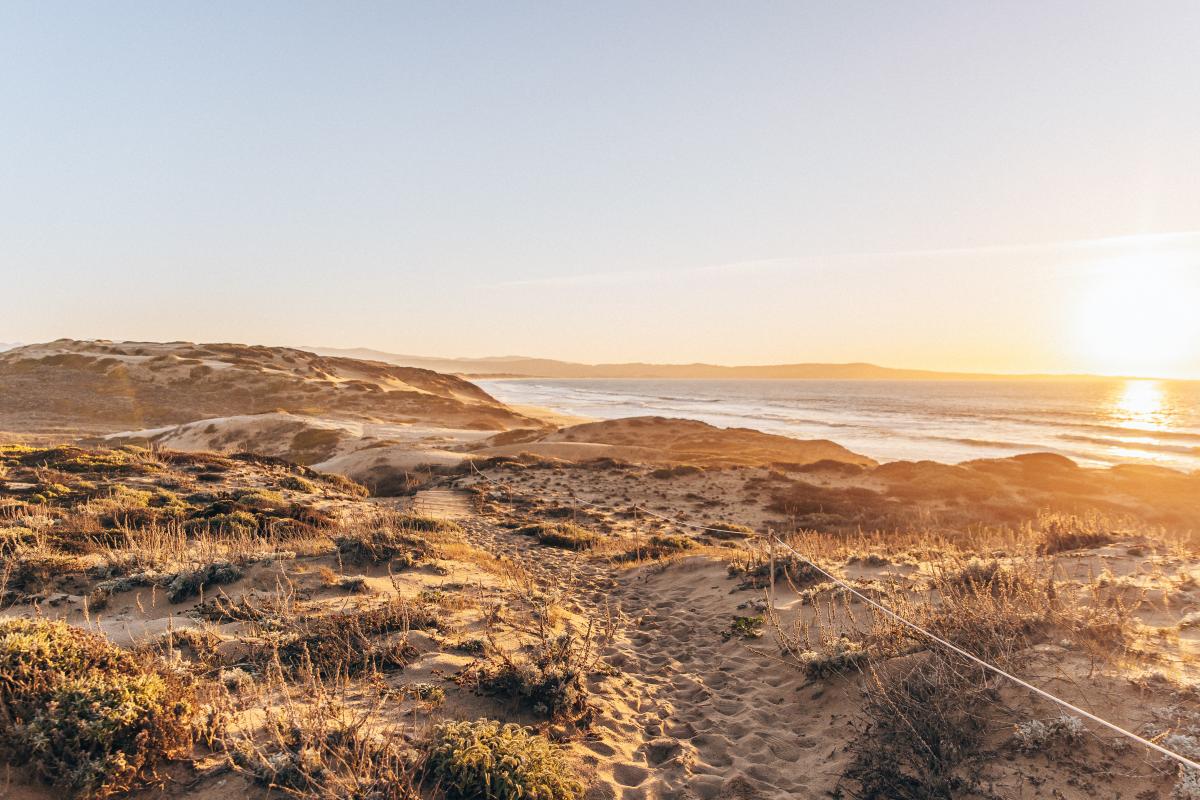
(955, 648)
(1187, 762)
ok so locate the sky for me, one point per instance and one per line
(1004, 186)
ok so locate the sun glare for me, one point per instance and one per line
(1141, 404)
(1138, 320)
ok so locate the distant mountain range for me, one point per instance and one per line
(525, 367)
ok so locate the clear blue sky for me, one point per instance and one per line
(734, 182)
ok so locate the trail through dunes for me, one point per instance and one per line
(689, 712)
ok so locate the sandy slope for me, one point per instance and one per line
(102, 387)
(684, 708)
(662, 440)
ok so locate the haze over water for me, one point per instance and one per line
(1099, 422)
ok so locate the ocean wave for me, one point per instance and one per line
(898, 420)
(1132, 443)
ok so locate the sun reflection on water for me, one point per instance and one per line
(1142, 405)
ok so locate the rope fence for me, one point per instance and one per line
(932, 637)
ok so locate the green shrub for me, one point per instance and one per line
(425, 692)
(47, 493)
(191, 582)
(561, 534)
(745, 628)
(345, 485)
(297, 484)
(729, 530)
(85, 715)
(484, 759)
(75, 459)
(233, 522)
(659, 546)
(260, 500)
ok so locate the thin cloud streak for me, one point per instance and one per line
(1186, 240)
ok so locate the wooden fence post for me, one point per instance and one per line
(771, 585)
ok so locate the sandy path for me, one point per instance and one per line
(689, 713)
(443, 503)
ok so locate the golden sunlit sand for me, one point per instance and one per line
(600, 401)
(626, 590)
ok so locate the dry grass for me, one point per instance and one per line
(319, 668)
(315, 742)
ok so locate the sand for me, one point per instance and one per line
(683, 708)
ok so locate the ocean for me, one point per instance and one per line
(1095, 422)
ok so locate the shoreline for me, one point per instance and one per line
(1095, 425)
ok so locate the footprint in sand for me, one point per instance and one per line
(628, 774)
(600, 748)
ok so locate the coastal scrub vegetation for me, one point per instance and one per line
(281, 632)
(86, 716)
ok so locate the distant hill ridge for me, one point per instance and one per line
(105, 386)
(526, 367)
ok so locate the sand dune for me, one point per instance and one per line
(684, 440)
(101, 387)
(682, 676)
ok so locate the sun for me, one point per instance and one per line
(1136, 319)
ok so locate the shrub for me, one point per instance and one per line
(425, 692)
(678, 471)
(755, 571)
(232, 522)
(745, 628)
(47, 493)
(352, 641)
(85, 715)
(319, 751)
(659, 546)
(552, 684)
(484, 759)
(179, 586)
(35, 571)
(840, 655)
(187, 583)
(75, 459)
(345, 485)
(382, 545)
(1036, 735)
(1063, 532)
(729, 530)
(398, 537)
(986, 608)
(561, 534)
(925, 733)
(297, 484)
